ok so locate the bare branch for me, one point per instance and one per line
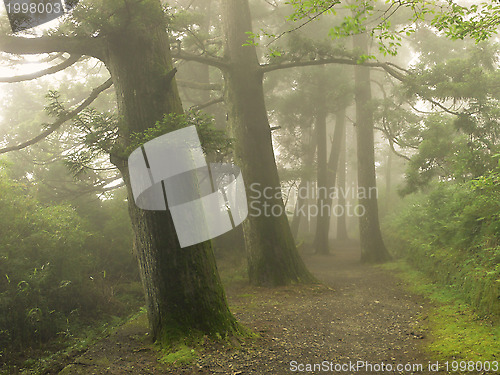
(334, 60)
(437, 104)
(48, 44)
(52, 57)
(199, 85)
(309, 20)
(53, 69)
(391, 143)
(187, 56)
(61, 120)
(207, 104)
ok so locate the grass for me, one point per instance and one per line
(458, 332)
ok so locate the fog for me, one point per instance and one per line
(249, 187)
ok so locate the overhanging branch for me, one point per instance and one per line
(61, 119)
(48, 44)
(199, 85)
(199, 107)
(265, 68)
(187, 56)
(53, 69)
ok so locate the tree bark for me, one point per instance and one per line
(295, 224)
(341, 185)
(388, 181)
(325, 201)
(272, 256)
(320, 242)
(372, 245)
(308, 158)
(182, 286)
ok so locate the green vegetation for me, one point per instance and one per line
(67, 273)
(456, 330)
(331, 97)
(453, 235)
(182, 355)
(212, 140)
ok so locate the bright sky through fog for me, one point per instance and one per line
(9, 71)
(31, 64)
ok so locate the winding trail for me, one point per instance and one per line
(362, 313)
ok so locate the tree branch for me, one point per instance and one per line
(391, 144)
(207, 104)
(437, 104)
(53, 69)
(390, 68)
(199, 85)
(334, 60)
(48, 44)
(187, 56)
(61, 120)
(391, 140)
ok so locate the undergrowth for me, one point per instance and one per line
(457, 331)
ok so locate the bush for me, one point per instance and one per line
(453, 235)
(54, 267)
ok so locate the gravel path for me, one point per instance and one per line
(361, 313)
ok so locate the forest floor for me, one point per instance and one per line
(360, 313)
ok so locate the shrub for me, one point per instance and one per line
(453, 234)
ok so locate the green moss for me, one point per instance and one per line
(457, 331)
(187, 350)
(460, 334)
(180, 356)
(247, 295)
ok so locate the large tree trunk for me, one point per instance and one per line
(325, 200)
(182, 286)
(372, 246)
(272, 256)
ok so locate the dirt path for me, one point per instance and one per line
(363, 315)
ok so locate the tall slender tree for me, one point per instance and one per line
(372, 245)
(272, 256)
(326, 200)
(341, 185)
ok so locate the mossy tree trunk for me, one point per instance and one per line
(182, 286)
(372, 245)
(272, 256)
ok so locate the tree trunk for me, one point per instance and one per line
(325, 201)
(320, 242)
(341, 185)
(272, 256)
(294, 226)
(372, 244)
(302, 200)
(388, 181)
(182, 286)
